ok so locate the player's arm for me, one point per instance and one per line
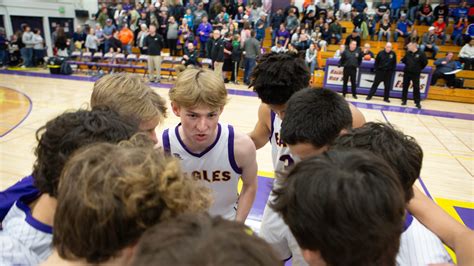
(246, 159)
(451, 232)
(261, 133)
(358, 119)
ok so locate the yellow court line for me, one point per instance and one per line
(266, 174)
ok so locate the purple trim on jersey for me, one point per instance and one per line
(199, 155)
(230, 145)
(272, 119)
(25, 188)
(166, 141)
(408, 221)
(31, 220)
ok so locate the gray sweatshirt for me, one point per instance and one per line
(252, 48)
(27, 39)
(172, 31)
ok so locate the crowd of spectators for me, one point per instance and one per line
(228, 31)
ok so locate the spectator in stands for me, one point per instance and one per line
(38, 48)
(414, 37)
(92, 42)
(99, 34)
(120, 16)
(108, 34)
(311, 58)
(326, 33)
(191, 5)
(102, 17)
(282, 36)
(323, 7)
(440, 30)
(141, 38)
(126, 37)
(402, 29)
(79, 38)
(425, 13)
(396, 6)
(382, 9)
(236, 55)
(172, 36)
(276, 20)
(458, 28)
(251, 51)
(367, 55)
(461, 11)
(291, 7)
(360, 6)
(4, 43)
(245, 33)
(227, 68)
(27, 50)
(385, 28)
(115, 43)
(189, 17)
(345, 10)
(336, 31)
(354, 36)
(143, 19)
(260, 27)
(62, 43)
(371, 26)
(204, 31)
(466, 55)
(190, 58)
(413, 10)
(441, 10)
(309, 19)
(443, 68)
(429, 42)
(163, 25)
(216, 51)
(239, 17)
(469, 33)
(339, 51)
(199, 16)
(291, 22)
(278, 48)
(154, 44)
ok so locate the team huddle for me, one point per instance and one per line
(105, 189)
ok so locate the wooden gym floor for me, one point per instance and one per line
(445, 130)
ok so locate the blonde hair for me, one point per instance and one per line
(128, 95)
(199, 87)
(110, 194)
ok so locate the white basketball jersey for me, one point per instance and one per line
(420, 246)
(215, 167)
(23, 239)
(280, 152)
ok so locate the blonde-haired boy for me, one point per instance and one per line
(209, 151)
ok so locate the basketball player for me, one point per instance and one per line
(198, 239)
(126, 94)
(110, 194)
(335, 218)
(419, 246)
(304, 140)
(211, 152)
(275, 79)
(26, 234)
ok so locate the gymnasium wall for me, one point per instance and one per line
(44, 9)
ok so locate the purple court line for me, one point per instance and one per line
(249, 93)
(30, 107)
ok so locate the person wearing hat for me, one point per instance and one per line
(415, 61)
(354, 36)
(350, 60)
(428, 42)
(402, 29)
(385, 64)
(108, 32)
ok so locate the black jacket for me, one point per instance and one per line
(351, 58)
(385, 61)
(217, 50)
(414, 62)
(192, 58)
(154, 44)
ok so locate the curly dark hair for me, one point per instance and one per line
(277, 76)
(63, 135)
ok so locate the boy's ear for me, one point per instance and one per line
(176, 109)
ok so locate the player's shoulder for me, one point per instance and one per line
(264, 115)
(243, 144)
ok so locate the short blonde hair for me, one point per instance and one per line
(110, 194)
(128, 95)
(199, 87)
